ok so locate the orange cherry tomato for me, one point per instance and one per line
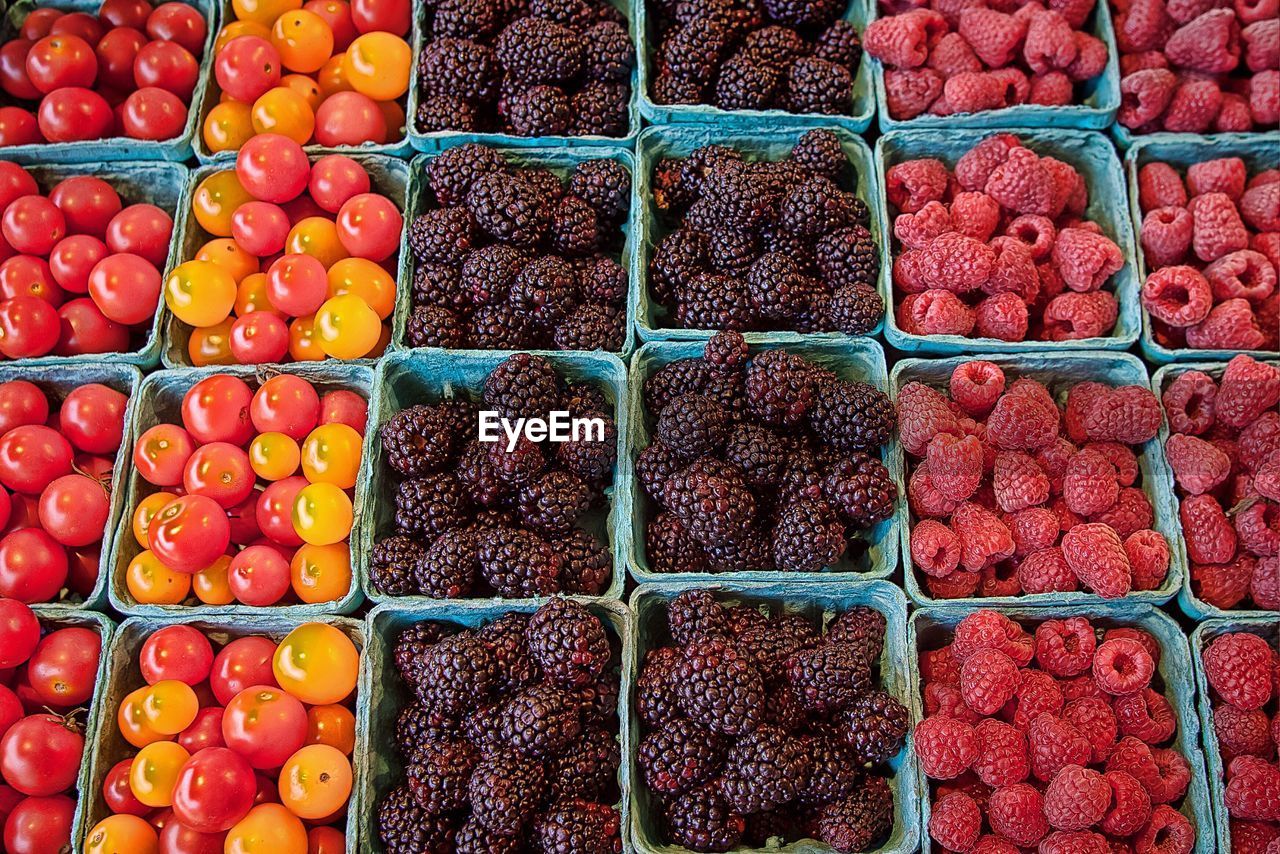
(377, 64)
(315, 781)
(170, 706)
(228, 126)
(322, 514)
(367, 280)
(316, 663)
(152, 583)
(306, 86)
(274, 456)
(393, 113)
(122, 834)
(146, 511)
(154, 772)
(263, 12)
(331, 454)
(215, 201)
(251, 296)
(303, 346)
(235, 29)
(321, 573)
(333, 725)
(316, 236)
(211, 345)
(227, 254)
(332, 78)
(210, 584)
(303, 39)
(285, 111)
(133, 723)
(347, 328)
(267, 829)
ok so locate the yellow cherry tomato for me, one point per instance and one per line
(236, 29)
(332, 78)
(321, 573)
(227, 254)
(284, 111)
(346, 328)
(200, 293)
(154, 772)
(273, 456)
(367, 280)
(315, 781)
(322, 514)
(216, 199)
(377, 64)
(145, 512)
(303, 40)
(170, 706)
(333, 725)
(267, 829)
(152, 583)
(306, 86)
(211, 345)
(132, 721)
(210, 584)
(316, 236)
(303, 346)
(228, 126)
(263, 12)
(122, 834)
(317, 663)
(331, 454)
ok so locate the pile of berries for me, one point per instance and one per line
(299, 265)
(510, 740)
(207, 531)
(129, 70)
(1212, 247)
(1243, 671)
(1056, 737)
(762, 462)
(515, 256)
(795, 55)
(761, 244)
(526, 67)
(1198, 67)
(235, 748)
(80, 271)
(56, 464)
(1224, 450)
(946, 58)
(1015, 494)
(327, 72)
(763, 727)
(50, 676)
(497, 517)
(1000, 247)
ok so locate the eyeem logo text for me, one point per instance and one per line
(558, 426)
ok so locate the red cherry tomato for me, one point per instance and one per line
(72, 259)
(29, 276)
(85, 329)
(126, 287)
(345, 407)
(177, 838)
(349, 118)
(205, 731)
(243, 520)
(28, 327)
(74, 114)
(337, 14)
(15, 182)
(39, 825)
(74, 510)
(189, 533)
(180, 23)
(19, 633)
(38, 22)
(32, 456)
(116, 54)
(275, 511)
(326, 840)
(241, 664)
(33, 225)
(82, 569)
(80, 24)
(21, 402)
(265, 725)
(161, 454)
(336, 178)
(18, 127)
(247, 67)
(33, 567)
(215, 789)
(125, 13)
(40, 755)
(273, 168)
(260, 228)
(13, 71)
(216, 409)
(153, 113)
(259, 337)
(392, 16)
(287, 404)
(176, 652)
(10, 713)
(297, 285)
(221, 471)
(259, 576)
(92, 418)
(117, 793)
(23, 513)
(59, 61)
(168, 65)
(143, 230)
(87, 203)
(64, 666)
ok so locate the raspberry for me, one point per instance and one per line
(1259, 441)
(1265, 587)
(1065, 647)
(977, 385)
(1264, 97)
(1089, 484)
(1076, 798)
(910, 93)
(1242, 732)
(1038, 693)
(1003, 317)
(935, 312)
(984, 538)
(1122, 457)
(1129, 414)
(1091, 57)
(910, 185)
(1146, 715)
(1253, 789)
(1074, 842)
(1244, 274)
(1198, 466)
(957, 263)
(988, 679)
(1218, 228)
(1248, 388)
(1189, 402)
(917, 230)
(1148, 642)
(1167, 831)
(1093, 717)
(902, 40)
(1160, 186)
(1022, 184)
(1221, 175)
(994, 36)
(1166, 236)
(1085, 259)
(1253, 836)
(1097, 557)
(947, 701)
(1130, 808)
(1193, 107)
(1016, 812)
(952, 55)
(1014, 270)
(1233, 116)
(1019, 482)
(1148, 558)
(924, 499)
(935, 549)
(939, 665)
(973, 91)
(1122, 666)
(1053, 459)
(1223, 585)
(1210, 536)
(1209, 44)
(1052, 89)
(955, 822)
(1260, 205)
(975, 214)
(1032, 529)
(1179, 296)
(1231, 325)
(1002, 753)
(955, 465)
(1073, 316)
(1055, 744)
(1131, 513)
(1050, 43)
(1025, 418)
(946, 747)
(922, 414)
(1238, 667)
(1046, 571)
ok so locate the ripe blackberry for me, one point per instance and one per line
(438, 772)
(669, 548)
(591, 457)
(860, 821)
(658, 687)
(849, 257)
(437, 284)
(450, 173)
(745, 84)
(839, 43)
(458, 68)
(803, 14)
(679, 756)
(711, 499)
(763, 770)
(411, 648)
(732, 250)
(875, 726)
(815, 208)
(419, 440)
(393, 566)
(568, 643)
(523, 386)
(667, 88)
(719, 688)
(591, 327)
(535, 50)
(488, 273)
(819, 86)
(654, 465)
(468, 19)
(429, 505)
(539, 111)
(605, 184)
(443, 236)
(574, 232)
(831, 774)
(478, 476)
(513, 668)
(502, 327)
(578, 827)
(543, 180)
(799, 249)
(780, 387)
(801, 477)
(755, 450)
(692, 52)
(809, 537)
(714, 302)
(475, 838)
(516, 563)
(854, 310)
(778, 289)
(577, 14)
(505, 790)
(771, 644)
(600, 109)
(589, 770)
(693, 425)
(456, 673)
(860, 488)
(434, 326)
(696, 615)
(438, 113)
(586, 566)
(552, 503)
(862, 628)
(702, 820)
(608, 52)
(774, 46)
(406, 828)
(601, 279)
(416, 724)
(819, 152)
(539, 722)
(511, 212)
(726, 351)
(747, 553)
(448, 568)
(827, 678)
(853, 416)
(676, 261)
(598, 702)
(738, 196)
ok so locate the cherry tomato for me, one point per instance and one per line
(326, 840)
(116, 53)
(87, 204)
(19, 633)
(331, 454)
(74, 510)
(331, 78)
(215, 789)
(306, 87)
(317, 663)
(39, 825)
(85, 329)
(265, 725)
(345, 407)
(217, 409)
(287, 404)
(349, 118)
(263, 11)
(72, 114)
(377, 65)
(259, 576)
(369, 226)
(283, 111)
(64, 666)
(303, 346)
(10, 713)
(132, 723)
(15, 182)
(153, 113)
(40, 755)
(267, 829)
(335, 179)
(32, 456)
(251, 296)
(190, 533)
(33, 567)
(273, 168)
(228, 126)
(18, 127)
(390, 16)
(230, 256)
(152, 583)
(61, 61)
(241, 664)
(80, 24)
(297, 284)
(126, 288)
(221, 471)
(154, 772)
(143, 230)
(28, 327)
(210, 584)
(29, 276)
(303, 40)
(322, 514)
(347, 328)
(337, 14)
(178, 653)
(275, 511)
(260, 228)
(71, 261)
(33, 225)
(23, 513)
(38, 23)
(122, 834)
(118, 795)
(161, 454)
(216, 200)
(169, 706)
(333, 725)
(315, 782)
(260, 337)
(169, 66)
(92, 418)
(211, 345)
(246, 67)
(366, 280)
(205, 730)
(274, 456)
(13, 71)
(125, 13)
(180, 23)
(317, 237)
(235, 29)
(244, 525)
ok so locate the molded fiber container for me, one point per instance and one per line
(1092, 155)
(52, 619)
(1098, 112)
(122, 675)
(57, 381)
(773, 143)
(383, 693)
(1059, 372)
(1258, 151)
(1126, 138)
(388, 176)
(160, 402)
(99, 151)
(165, 185)
(560, 161)
(820, 602)
(852, 359)
(435, 140)
(1265, 626)
(429, 376)
(1192, 605)
(931, 627)
(857, 121)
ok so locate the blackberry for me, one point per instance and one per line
(755, 450)
(609, 54)
(815, 208)
(702, 820)
(778, 289)
(456, 673)
(719, 688)
(434, 326)
(535, 50)
(658, 687)
(598, 702)
(520, 465)
(474, 838)
(694, 616)
(875, 726)
(516, 563)
(693, 425)
(539, 722)
(574, 231)
(568, 643)
(584, 399)
(848, 257)
(419, 440)
(546, 289)
(737, 196)
(854, 310)
(605, 184)
(411, 647)
(654, 465)
(448, 568)
(393, 565)
(467, 19)
(819, 86)
(539, 111)
(692, 52)
(511, 212)
(711, 500)
(505, 790)
(801, 477)
(417, 724)
(819, 152)
(827, 678)
(742, 616)
(746, 553)
(429, 505)
(679, 756)
(479, 477)
(763, 770)
(771, 828)
(839, 43)
(861, 628)
(543, 180)
(586, 566)
(406, 828)
(803, 14)
(591, 327)
(513, 668)
(523, 386)
(678, 259)
(780, 388)
(831, 775)
(488, 273)
(799, 249)
(589, 770)
(669, 548)
(502, 327)
(579, 827)
(860, 488)
(552, 503)
(437, 284)
(747, 85)
(590, 456)
(809, 537)
(774, 46)
(853, 416)
(442, 236)
(667, 88)
(577, 14)
(451, 172)
(458, 68)
(860, 821)
(439, 113)
(783, 709)
(600, 109)
(733, 16)
(732, 250)
(437, 774)
(714, 302)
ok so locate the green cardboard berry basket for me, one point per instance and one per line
(1059, 372)
(121, 675)
(861, 110)
(1258, 151)
(159, 401)
(1266, 627)
(820, 602)
(930, 627)
(853, 359)
(770, 142)
(1191, 604)
(1125, 137)
(388, 177)
(100, 151)
(57, 381)
(559, 160)
(1095, 159)
(427, 376)
(383, 693)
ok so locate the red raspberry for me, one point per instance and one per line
(1189, 402)
(1144, 25)
(952, 55)
(1037, 233)
(1022, 184)
(1122, 457)
(946, 747)
(957, 263)
(988, 679)
(1066, 519)
(1220, 175)
(1002, 754)
(955, 822)
(939, 665)
(1083, 687)
(1253, 789)
(922, 414)
(917, 230)
(1243, 732)
(1261, 45)
(1091, 57)
(1131, 513)
(1050, 43)
(1054, 744)
(1259, 441)
(912, 184)
(1146, 715)
(1159, 186)
(1248, 388)
(994, 36)
(975, 214)
(1076, 798)
(902, 41)
(1038, 694)
(955, 465)
(923, 497)
(1231, 325)
(1218, 228)
(973, 92)
(910, 93)
(1074, 842)
(1122, 666)
(1198, 466)
(1086, 260)
(1264, 97)
(1184, 11)
(907, 276)
(1210, 536)
(1233, 116)
(1016, 812)
(1130, 805)
(1019, 482)
(1032, 529)
(1065, 647)
(1097, 557)
(1073, 316)
(960, 584)
(976, 385)
(1166, 236)
(1244, 274)
(1148, 558)
(1094, 719)
(1089, 484)
(947, 701)
(983, 536)
(1132, 633)
(1260, 205)
(1210, 44)
(935, 312)
(1003, 317)
(1258, 528)
(1265, 587)
(975, 166)
(935, 549)
(1179, 296)
(1131, 63)
(1024, 418)
(1075, 11)
(1250, 837)
(1134, 758)
(1267, 479)
(1193, 107)
(1238, 667)
(1144, 95)
(1046, 571)
(1128, 414)
(982, 630)
(1168, 832)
